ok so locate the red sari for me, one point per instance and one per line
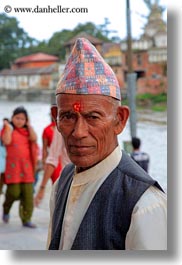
(19, 166)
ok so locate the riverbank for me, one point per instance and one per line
(33, 95)
(147, 115)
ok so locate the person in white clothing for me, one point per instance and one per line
(57, 153)
(103, 199)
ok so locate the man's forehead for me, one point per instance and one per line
(79, 106)
(90, 99)
(83, 103)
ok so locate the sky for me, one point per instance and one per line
(41, 26)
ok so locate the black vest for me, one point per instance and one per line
(108, 216)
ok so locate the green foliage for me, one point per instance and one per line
(56, 44)
(15, 42)
(155, 102)
(159, 108)
(154, 98)
(148, 101)
(125, 102)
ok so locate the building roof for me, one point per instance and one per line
(91, 38)
(36, 57)
(29, 71)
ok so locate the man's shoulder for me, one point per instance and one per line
(66, 174)
(152, 198)
(133, 171)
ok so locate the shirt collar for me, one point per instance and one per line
(104, 168)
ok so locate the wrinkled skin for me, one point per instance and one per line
(89, 125)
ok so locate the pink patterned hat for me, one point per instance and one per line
(87, 73)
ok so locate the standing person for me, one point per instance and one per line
(2, 158)
(20, 140)
(47, 137)
(141, 158)
(2, 165)
(103, 200)
(57, 155)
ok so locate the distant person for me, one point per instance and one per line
(38, 167)
(57, 155)
(141, 158)
(47, 137)
(20, 140)
(2, 158)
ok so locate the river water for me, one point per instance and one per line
(151, 128)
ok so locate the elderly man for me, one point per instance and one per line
(103, 200)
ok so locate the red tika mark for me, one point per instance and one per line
(77, 107)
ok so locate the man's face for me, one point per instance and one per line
(89, 126)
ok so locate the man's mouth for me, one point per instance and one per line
(80, 149)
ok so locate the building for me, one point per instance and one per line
(35, 71)
(37, 60)
(149, 54)
(29, 78)
(112, 54)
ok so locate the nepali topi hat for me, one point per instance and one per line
(87, 73)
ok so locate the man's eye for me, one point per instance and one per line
(92, 117)
(67, 116)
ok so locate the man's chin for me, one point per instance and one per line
(82, 162)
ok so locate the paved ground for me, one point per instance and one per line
(13, 236)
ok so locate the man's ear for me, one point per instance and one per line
(54, 111)
(122, 117)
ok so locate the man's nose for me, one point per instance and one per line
(81, 128)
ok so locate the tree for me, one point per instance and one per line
(104, 29)
(13, 40)
(90, 28)
(56, 43)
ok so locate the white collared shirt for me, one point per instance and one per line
(148, 228)
(57, 151)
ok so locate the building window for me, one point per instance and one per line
(140, 74)
(139, 59)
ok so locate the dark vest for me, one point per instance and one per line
(142, 159)
(108, 216)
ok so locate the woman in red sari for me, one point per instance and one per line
(20, 140)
